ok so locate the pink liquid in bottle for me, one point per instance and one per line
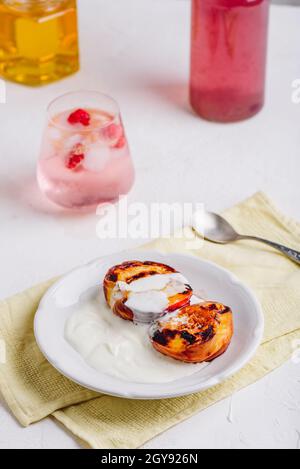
(228, 58)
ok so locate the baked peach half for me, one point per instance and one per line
(194, 334)
(143, 291)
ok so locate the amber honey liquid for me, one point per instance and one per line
(38, 40)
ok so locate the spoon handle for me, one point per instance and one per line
(291, 253)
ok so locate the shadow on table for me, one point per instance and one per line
(23, 190)
(176, 94)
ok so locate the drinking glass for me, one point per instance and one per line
(85, 158)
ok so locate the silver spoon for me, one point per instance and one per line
(218, 230)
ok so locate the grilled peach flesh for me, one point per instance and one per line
(143, 291)
(194, 334)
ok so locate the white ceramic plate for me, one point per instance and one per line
(218, 285)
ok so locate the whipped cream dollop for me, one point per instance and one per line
(150, 295)
(151, 301)
(153, 282)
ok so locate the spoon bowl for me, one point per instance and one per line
(214, 228)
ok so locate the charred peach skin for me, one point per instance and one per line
(130, 271)
(194, 334)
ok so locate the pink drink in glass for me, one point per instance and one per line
(228, 58)
(85, 158)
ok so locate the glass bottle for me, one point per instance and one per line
(228, 58)
(38, 40)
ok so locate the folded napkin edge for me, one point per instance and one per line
(25, 418)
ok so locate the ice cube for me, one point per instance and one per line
(54, 134)
(72, 141)
(96, 157)
(113, 133)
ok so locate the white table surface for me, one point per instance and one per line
(138, 51)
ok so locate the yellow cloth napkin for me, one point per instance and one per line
(34, 390)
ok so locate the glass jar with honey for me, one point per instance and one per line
(38, 40)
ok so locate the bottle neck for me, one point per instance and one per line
(232, 3)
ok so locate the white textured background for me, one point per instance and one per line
(138, 51)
